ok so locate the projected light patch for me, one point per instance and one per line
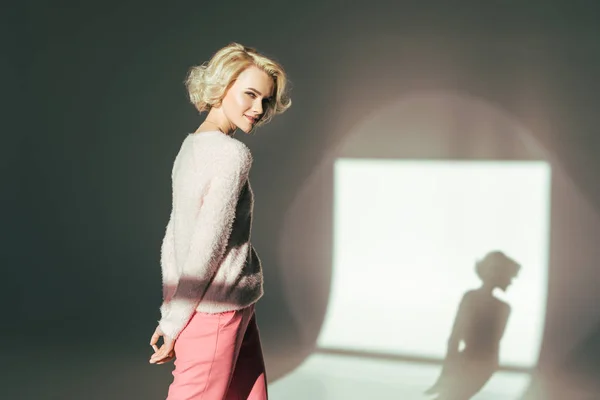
(407, 235)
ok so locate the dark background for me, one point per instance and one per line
(94, 111)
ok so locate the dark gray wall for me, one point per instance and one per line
(96, 111)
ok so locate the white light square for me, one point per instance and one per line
(406, 238)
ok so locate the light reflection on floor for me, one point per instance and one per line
(332, 377)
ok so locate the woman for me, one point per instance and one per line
(212, 277)
(479, 325)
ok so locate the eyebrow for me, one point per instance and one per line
(258, 93)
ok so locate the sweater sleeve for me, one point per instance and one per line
(211, 232)
(168, 263)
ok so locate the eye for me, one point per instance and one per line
(251, 94)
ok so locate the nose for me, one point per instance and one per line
(258, 107)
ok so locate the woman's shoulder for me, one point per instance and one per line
(220, 147)
(218, 139)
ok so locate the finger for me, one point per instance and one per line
(155, 347)
(169, 358)
(167, 346)
(154, 338)
(159, 360)
(157, 355)
(154, 360)
(160, 354)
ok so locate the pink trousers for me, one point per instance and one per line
(219, 357)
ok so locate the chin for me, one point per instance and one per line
(246, 128)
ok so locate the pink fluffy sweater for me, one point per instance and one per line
(208, 264)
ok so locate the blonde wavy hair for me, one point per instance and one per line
(208, 83)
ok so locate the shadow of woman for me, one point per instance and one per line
(479, 326)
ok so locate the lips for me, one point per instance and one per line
(252, 120)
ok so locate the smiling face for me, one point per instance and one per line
(246, 100)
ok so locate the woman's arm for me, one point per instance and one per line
(210, 236)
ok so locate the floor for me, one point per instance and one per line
(328, 377)
(43, 370)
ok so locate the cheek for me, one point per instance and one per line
(242, 101)
(234, 103)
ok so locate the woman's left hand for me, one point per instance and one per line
(166, 352)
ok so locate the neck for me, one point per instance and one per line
(217, 120)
